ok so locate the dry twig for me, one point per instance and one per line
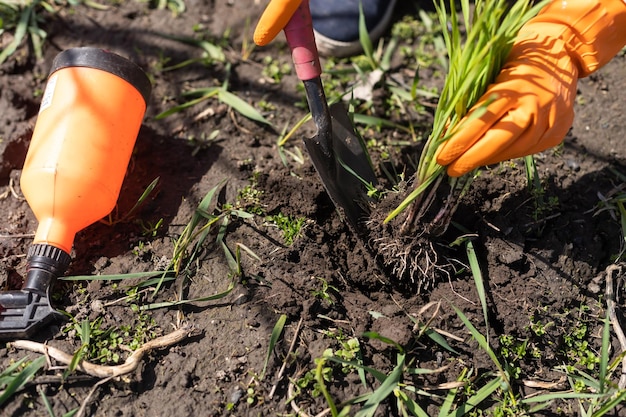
(284, 365)
(612, 270)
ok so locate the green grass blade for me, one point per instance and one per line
(478, 281)
(143, 196)
(186, 105)
(18, 36)
(113, 277)
(482, 341)
(604, 354)
(242, 107)
(611, 404)
(364, 38)
(448, 402)
(276, 332)
(563, 395)
(375, 372)
(22, 378)
(384, 390)
(166, 304)
(480, 396)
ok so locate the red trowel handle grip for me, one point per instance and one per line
(299, 34)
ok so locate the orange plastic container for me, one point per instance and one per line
(85, 132)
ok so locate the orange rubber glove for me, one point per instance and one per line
(274, 19)
(530, 104)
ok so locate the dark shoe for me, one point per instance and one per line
(336, 24)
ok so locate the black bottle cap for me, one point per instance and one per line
(106, 61)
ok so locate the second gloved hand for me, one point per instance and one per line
(529, 108)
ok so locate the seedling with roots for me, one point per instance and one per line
(474, 62)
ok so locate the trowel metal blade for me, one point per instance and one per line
(344, 175)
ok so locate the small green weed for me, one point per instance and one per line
(177, 7)
(324, 293)
(289, 226)
(249, 197)
(274, 69)
(107, 345)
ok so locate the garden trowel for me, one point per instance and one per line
(337, 152)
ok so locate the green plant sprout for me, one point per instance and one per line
(220, 93)
(114, 217)
(324, 293)
(17, 375)
(177, 7)
(24, 20)
(474, 62)
(289, 226)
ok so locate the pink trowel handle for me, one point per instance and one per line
(299, 34)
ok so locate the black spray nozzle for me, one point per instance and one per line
(45, 264)
(24, 311)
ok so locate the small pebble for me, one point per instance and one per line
(236, 395)
(573, 165)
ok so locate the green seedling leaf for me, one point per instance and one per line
(143, 196)
(18, 381)
(611, 404)
(484, 344)
(364, 38)
(85, 337)
(375, 373)
(562, 395)
(19, 34)
(379, 337)
(378, 122)
(321, 385)
(212, 51)
(167, 304)
(233, 261)
(478, 281)
(604, 354)
(242, 107)
(276, 332)
(440, 340)
(7, 375)
(282, 140)
(482, 341)
(385, 389)
(448, 402)
(113, 277)
(480, 396)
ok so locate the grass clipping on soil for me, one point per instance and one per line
(408, 246)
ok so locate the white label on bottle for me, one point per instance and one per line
(46, 101)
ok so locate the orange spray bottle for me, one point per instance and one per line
(90, 115)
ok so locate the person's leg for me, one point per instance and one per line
(336, 23)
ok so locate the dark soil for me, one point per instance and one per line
(542, 264)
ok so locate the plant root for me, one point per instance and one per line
(417, 261)
(103, 371)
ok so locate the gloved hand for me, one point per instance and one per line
(274, 19)
(529, 107)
